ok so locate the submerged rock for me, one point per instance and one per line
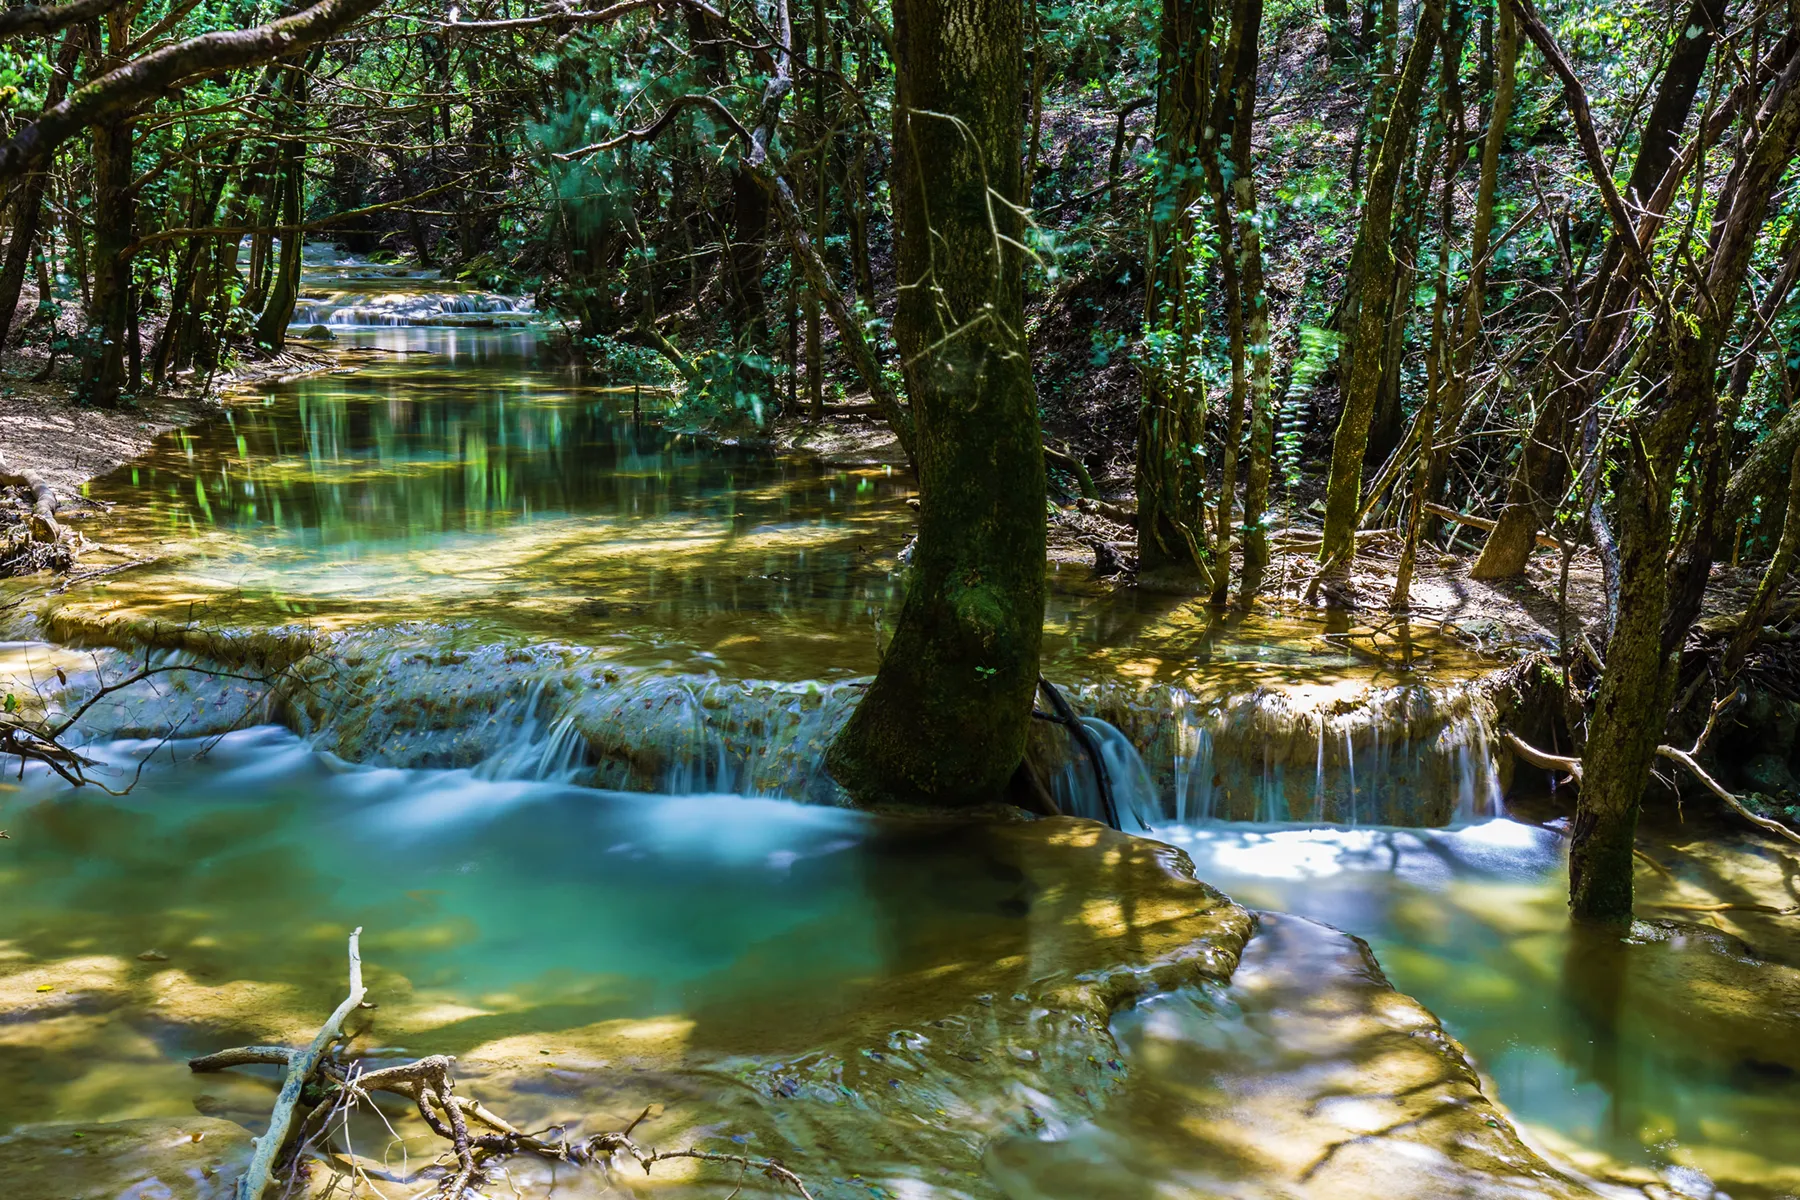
(193, 1158)
(1308, 1077)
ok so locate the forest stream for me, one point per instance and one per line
(533, 685)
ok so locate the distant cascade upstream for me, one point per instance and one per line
(412, 308)
(1405, 755)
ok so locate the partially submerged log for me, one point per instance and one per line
(31, 538)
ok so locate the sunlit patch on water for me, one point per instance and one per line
(1665, 1052)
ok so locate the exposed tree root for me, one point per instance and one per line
(330, 1086)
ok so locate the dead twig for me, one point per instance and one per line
(315, 1071)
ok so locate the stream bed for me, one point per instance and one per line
(568, 670)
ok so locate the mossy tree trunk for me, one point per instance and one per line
(945, 720)
(1659, 593)
(1372, 276)
(1170, 478)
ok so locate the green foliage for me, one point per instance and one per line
(729, 385)
(624, 362)
(1318, 349)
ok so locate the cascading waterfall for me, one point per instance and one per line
(1406, 755)
(412, 308)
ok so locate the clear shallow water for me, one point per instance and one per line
(446, 474)
(455, 481)
(528, 908)
(1660, 1051)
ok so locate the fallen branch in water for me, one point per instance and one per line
(333, 1087)
(1541, 758)
(1688, 758)
(46, 740)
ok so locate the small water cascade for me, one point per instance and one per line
(1409, 755)
(354, 308)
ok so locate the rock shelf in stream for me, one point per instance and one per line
(413, 697)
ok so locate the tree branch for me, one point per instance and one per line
(1576, 96)
(42, 19)
(170, 68)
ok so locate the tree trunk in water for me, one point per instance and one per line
(1643, 653)
(1373, 276)
(1170, 479)
(946, 718)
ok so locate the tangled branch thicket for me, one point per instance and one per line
(323, 1085)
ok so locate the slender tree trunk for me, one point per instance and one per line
(1170, 481)
(1438, 364)
(1469, 315)
(1373, 276)
(28, 204)
(1774, 577)
(271, 329)
(1542, 468)
(946, 718)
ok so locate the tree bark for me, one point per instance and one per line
(28, 205)
(1170, 480)
(109, 309)
(946, 717)
(1373, 276)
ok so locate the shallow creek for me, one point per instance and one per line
(504, 567)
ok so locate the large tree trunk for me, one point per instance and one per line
(1658, 600)
(946, 718)
(1373, 276)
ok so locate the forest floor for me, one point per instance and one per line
(47, 431)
